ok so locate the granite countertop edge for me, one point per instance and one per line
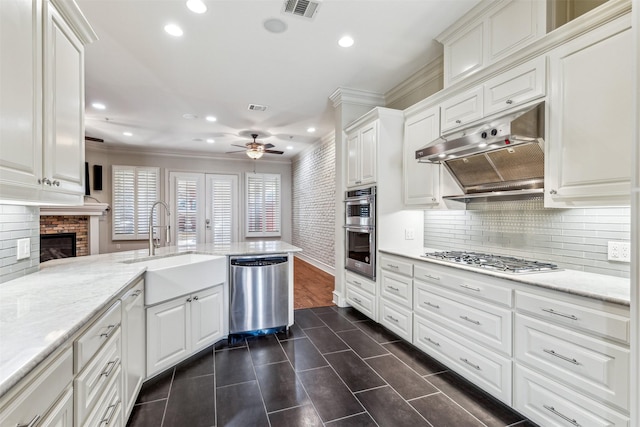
(574, 282)
(120, 270)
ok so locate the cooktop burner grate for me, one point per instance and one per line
(501, 263)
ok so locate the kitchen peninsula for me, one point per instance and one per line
(42, 314)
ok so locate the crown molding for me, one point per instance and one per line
(76, 20)
(434, 70)
(356, 97)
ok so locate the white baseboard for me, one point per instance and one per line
(317, 264)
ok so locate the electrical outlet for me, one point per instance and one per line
(619, 251)
(409, 234)
(23, 248)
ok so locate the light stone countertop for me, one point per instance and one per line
(612, 289)
(43, 310)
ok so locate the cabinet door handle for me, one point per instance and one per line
(395, 267)
(55, 182)
(195, 298)
(557, 313)
(458, 121)
(560, 356)
(437, 344)
(553, 192)
(109, 331)
(109, 368)
(393, 288)
(189, 299)
(473, 365)
(32, 423)
(509, 101)
(561, 415)
(358, 182)
(471, 288)
(432, 277)
(430, 304)
(355, 282)
(475, 322)
(390, 317)
(45, 181)
(357, 300)
(111, 410)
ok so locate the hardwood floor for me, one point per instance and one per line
(312, 287)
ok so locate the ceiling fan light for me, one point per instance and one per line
(255, 154)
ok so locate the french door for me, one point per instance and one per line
(204, 208)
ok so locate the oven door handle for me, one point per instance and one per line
(362, 229)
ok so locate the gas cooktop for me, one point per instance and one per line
(500, 263)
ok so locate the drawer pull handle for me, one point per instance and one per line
(357, 300)
(473, 365)
(109, 331)
(561, 415)
(559, 356)
(111, 410)
(437, 344)
(471, 288)
(32, 423)
(432, 277)
(109, 368)
(475, 322)
(393, 266)
(390, 317)
(393, 288)
(430, 304)
(557, 313)
(355, 282)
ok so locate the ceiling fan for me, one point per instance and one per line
(255, 149)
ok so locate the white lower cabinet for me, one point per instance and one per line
(361, 294)
(108, 411)
(481, 366)
(396, 318)
(553, 405)
(133, 345)
(61, 414)
(177, 328)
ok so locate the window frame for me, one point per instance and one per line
(137, 215)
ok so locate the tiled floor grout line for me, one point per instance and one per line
(241, 382)
(215, 389)
(166, 405)
(253, 366)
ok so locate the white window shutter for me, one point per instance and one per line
(222, 201)
(187, 210)
(263, 205)
(135, 189)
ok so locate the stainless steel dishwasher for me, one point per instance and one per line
(259, 295)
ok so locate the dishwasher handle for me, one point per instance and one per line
(258, 261)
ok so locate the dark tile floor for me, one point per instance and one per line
(334, 368)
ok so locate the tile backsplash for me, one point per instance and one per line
(574, 239)
(17, 222)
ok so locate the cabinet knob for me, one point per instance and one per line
(509, 101)
(553, 192)
(195, 298)
(458, 121)
(45, 181)
(188, 299)
(56, 183)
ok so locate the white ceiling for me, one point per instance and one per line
(226, 60)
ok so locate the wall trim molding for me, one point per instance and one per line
(317, 264)
(356, 97)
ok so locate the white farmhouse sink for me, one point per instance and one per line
(170, 277)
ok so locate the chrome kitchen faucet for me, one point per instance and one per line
(155, 243)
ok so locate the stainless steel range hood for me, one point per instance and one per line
(502, 159)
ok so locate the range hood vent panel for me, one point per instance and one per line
(525, 161)
(473, 169)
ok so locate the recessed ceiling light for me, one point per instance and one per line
(289, 147)
(127, 133)
(99, 106)
(210, 119)
(210, 141)
(173, 29)
(346, 41)
(274, 25)
(311, 130)
(189, 116)
(196, 6)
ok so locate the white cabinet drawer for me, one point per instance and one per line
(396, 288)
(483, 367)
(596, 321)
(108, 411)
(551, 405)
(92, 381)
(473, 284)
(396, 265)
(41, 393)
(485, 323)
(461, 110)
(362, 301)
(517, 86)
(361, 282)
(595, 367)
(397, 319)
(94, 337)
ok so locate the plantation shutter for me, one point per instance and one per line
(135, 189)
(222, 196)
(187, 210)
(263, 205)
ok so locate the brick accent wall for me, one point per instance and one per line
(68, 224)
(18, 222)
(314, 202)
(574, 239)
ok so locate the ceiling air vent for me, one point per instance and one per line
(301, 8)
(256, 107)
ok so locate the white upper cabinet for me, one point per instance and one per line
(361, 165)
(516, 86)
(42, 82)
(590, 119)
(421, 180)
(488, 33)
(463, 109)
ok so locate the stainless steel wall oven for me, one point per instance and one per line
(360, 231)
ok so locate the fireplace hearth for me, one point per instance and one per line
(55, 246)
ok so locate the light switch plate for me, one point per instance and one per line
(24, 248)
(409, 234)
